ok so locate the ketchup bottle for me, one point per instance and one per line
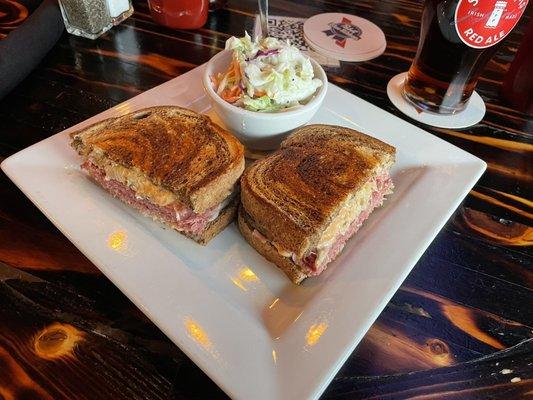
(179, 14)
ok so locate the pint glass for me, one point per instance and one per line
(457, 38)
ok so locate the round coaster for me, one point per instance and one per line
(344, 36)
(347, 57)
(471, 115)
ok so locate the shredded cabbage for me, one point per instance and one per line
(266, 75)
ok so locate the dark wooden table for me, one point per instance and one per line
(459, 327)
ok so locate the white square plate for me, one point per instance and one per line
(235, 315)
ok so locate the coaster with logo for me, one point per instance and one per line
(344, 37)
(471, 115)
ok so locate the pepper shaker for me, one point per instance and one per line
(92, 18)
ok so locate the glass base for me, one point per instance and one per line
(78, 32)
(471, 115)
(430, 107)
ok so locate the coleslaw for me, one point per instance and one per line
(266, 75)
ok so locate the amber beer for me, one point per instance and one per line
(457, 39)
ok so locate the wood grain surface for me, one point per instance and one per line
(460, 327)
(12, 14)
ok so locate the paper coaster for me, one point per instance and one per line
(344, 36)
(359, 57)
(471, 115)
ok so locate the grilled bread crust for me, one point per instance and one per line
(295, 193)
(267, 250)
(177, 149)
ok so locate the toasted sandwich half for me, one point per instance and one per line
(169, 163)
(302, 203)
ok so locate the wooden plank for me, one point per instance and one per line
(506, 374)
(55, 356)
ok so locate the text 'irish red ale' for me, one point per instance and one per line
(457, 38)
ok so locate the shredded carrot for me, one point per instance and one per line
(236, 69)
(231, 77)
(223, 83)
(259, 93)
(226, 95)
(231, 95)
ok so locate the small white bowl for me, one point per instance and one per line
(260, 130)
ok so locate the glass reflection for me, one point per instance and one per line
(315, 332)
(245, 278)
(197, 333)
(118, 241)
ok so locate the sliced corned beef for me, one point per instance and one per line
(178, 215)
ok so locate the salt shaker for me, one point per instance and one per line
(119, 10)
